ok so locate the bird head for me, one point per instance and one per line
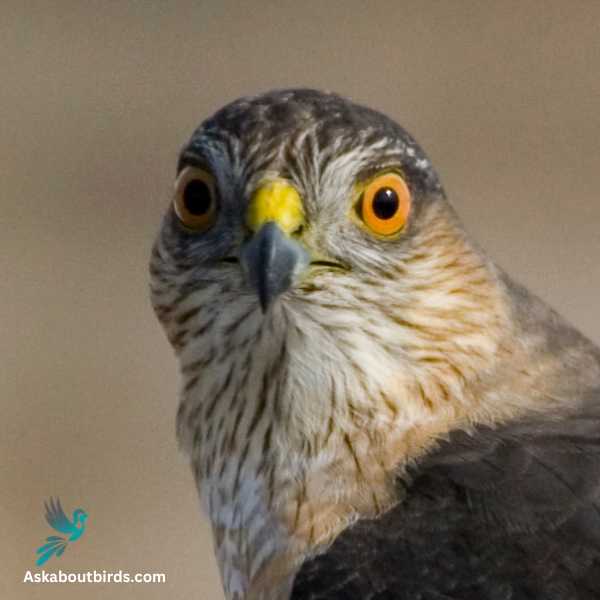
(79, 516)
(292, 192)
(310, 236)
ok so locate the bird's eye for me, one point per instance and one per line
(195, 201)
(384, 204)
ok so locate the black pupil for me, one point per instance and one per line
(385, 203)
(197, 197)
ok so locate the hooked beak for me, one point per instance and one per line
(272, 258)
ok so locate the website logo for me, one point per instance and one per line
(55, 544)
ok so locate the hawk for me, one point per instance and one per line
(372, 408)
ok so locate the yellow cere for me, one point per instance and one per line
(276, 201)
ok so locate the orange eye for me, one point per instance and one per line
(195, 201)
(385, 204)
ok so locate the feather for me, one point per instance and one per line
(55, 547)
(56, 517)
(496, 514)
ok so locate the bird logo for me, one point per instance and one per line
(55, 544)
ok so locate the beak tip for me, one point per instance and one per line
(270, 260)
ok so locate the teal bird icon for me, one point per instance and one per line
(55, 545)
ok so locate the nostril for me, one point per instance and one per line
(298, 231)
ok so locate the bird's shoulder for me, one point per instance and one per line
(495, 513)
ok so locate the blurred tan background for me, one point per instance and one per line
(97, 98)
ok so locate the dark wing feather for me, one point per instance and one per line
(511, 513)
(55, 515)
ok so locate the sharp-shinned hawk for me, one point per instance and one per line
(372, 408)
